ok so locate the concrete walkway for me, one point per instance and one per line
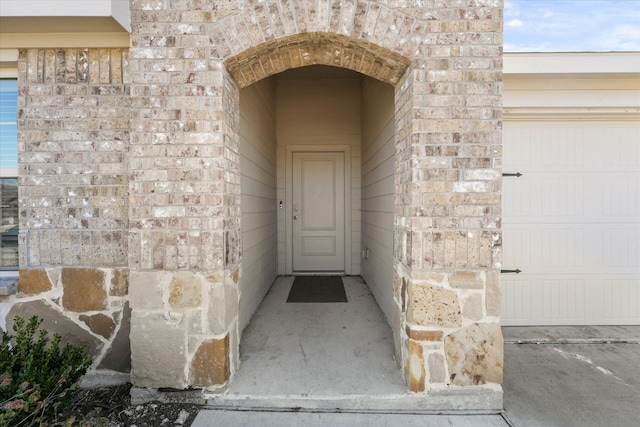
(572, 376)
(332, 365)
(296, 419)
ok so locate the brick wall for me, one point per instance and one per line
(73, 136)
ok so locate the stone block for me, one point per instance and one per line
(472, 307)
(84, 289)
(422, 335)
(33, 282)
(185, 291)
(119, 282)
(146, 289)
(397, 333)
(56, 322)
(433, 306)
(475, 355)
(158, 351)
(118, 356)
(403, 295)
(234, 347)
(396, 286)
(436, 278)
(234, 277)
(232, 297)
(216, 315)
(99, 324)
(210, 365)
(466, 280)
(415, 367)
(223, 307)
(215, 277)
(436, 365)
(493, 298)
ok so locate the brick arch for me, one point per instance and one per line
(316, 48)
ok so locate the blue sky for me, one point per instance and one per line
(571, 25)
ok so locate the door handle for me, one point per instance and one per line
(295, 217)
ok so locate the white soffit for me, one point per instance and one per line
(116, 9)
(64, 23)
(571, 63)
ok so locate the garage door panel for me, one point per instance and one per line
(622, 148)
(571, 147)
(622, 247)
(520, 249)
(572, 248)
(561, 301)
(564, 148)
(563, 196)
(519, 300)
(621, 196)
(617, 294)
(563, 298)
(571, 223)
(563, 248)
(519, 204)
(570, 197)
(569, 300)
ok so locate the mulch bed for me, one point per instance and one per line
(111, 407)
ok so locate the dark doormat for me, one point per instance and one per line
(317, 289)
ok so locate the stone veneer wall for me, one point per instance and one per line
(73, 121)
(187, 61)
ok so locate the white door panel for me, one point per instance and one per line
(571, 224)
(318, 212)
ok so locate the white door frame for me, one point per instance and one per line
(290, 149)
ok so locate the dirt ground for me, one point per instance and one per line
(111, 407)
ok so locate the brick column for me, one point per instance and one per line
(184, 241)
(447, 235)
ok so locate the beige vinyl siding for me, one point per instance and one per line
(258, 192)
(320, 106)
(378, 164)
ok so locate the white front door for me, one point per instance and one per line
(318, 212)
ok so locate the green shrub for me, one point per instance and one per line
(38, 378)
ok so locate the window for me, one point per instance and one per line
(8, 175)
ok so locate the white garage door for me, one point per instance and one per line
(571, 223)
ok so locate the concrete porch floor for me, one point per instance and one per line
(328, 349)
(322, 356)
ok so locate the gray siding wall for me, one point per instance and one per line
(378, 190)
(258, 198)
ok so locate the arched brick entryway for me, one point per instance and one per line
(316, 48)
(445, 64)
(180, 84)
